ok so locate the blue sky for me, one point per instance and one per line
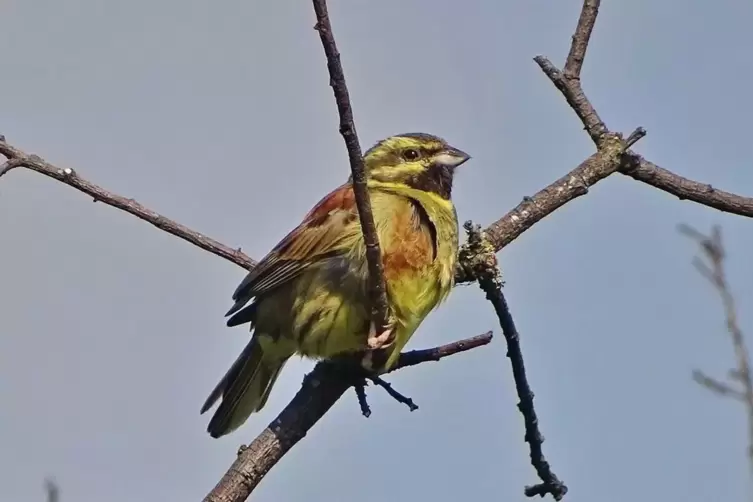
(220, 115)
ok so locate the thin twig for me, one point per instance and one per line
(378, 289)
(321, 389)
(397, 396)
(712, 248)
(9, 165)
(482, 264)
(717, 387)
(686, 189)
(581, 38)
(51, 490)
(360, 389)
(573, 92)
(99, 194)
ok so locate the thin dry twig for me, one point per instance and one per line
(717, 387)
(582, 35)
(378, 289)
(71, 178)
(10, 164)
(52, 490)
(712, 248)
(479, 255)
(641, 169)
(321, 389)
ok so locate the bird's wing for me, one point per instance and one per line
(324, 232)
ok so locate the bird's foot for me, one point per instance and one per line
(379, 340)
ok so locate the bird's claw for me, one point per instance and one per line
(379, 340)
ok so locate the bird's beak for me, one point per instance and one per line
(451, 157)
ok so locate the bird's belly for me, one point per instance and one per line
(414, 294)
(324, 312)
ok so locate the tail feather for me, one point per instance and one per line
(244, 388)
(241, 316)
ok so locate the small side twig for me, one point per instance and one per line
(397, 396)
(480, 261)
(717, 387)
(712, 249)
(380, 307)
(10, 164)
(52, 490)
(360, 389)
(581, 38)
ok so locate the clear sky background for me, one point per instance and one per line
(219, 114)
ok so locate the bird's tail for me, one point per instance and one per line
(244, 388)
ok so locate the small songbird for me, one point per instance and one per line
(310, 293)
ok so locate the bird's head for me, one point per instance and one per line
(419, 160)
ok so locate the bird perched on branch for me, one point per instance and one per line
(309, 295)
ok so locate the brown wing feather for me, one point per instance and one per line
(317, 237)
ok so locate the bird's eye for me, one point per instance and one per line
(411, 154)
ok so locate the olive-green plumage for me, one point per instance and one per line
(310, 292)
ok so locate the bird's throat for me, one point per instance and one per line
(437, 179)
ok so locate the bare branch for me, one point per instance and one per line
(380, 307)
(52, 490)
(717, 387)
(479, 253)
(713, 249)
(569, 187)
(581, 38)
(99, 194)
(634, 165)
(321, 389)
(570, 88)
(686, 189)
(9, 165)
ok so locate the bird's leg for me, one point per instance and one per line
(382, 339)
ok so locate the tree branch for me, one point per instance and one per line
(320, 391)
(581, 38)
(68, 176)
(547, 200)
(712, 248)
(575, 96)
(716, 386)
(51, 487)
(378, 289)
(481, 262)
(685, 189)
(632, 164)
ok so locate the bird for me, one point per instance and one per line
(310, 294)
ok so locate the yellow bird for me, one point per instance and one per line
(310, 293)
